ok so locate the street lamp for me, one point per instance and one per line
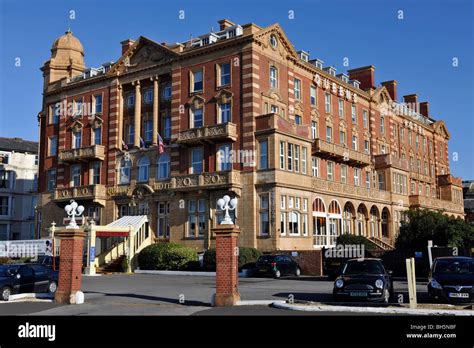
(226, 204)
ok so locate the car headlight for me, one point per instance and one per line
(339, 283)
(379, 283)
(435, 284)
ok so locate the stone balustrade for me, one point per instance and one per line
(95, 152)
(208, 134)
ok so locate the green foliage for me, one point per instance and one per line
(209, 260)
(8, 260)
(424, 225)
(166, 256)
(247, 258)
(125, 264)
(350, 239)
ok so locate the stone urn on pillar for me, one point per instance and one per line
(71, 252)
(227, 254)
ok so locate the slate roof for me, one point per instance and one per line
(18, 145)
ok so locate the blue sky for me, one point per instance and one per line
(417, 51)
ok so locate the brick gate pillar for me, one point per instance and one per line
(227, 278)
(70, 264)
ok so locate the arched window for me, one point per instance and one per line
(163, 167)
(143, 165)
(294, 222)
(125, 171)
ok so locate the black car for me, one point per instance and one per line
(277, 265)
(363, 279)
(25, 278)
(49, 261)
(452, 279)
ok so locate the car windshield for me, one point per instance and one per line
(265, 258)
(454, 267)
(363, 267)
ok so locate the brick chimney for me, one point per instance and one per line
(425, 109)
(412, 101)
(391, 87)
(126, 44)
(366, 76)
(225, 23)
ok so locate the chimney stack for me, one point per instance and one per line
(366, 76)
(225, 23)
(391, 87)
(126, 44)
(425, 109)
(412, 101)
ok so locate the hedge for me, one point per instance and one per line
(167, 256)
(247, 258)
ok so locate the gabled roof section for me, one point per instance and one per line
(276, 29)
(380, 95)
(144, 52)
(441, 129)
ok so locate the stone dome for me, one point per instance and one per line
(68, 42)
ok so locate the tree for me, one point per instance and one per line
(423, 225)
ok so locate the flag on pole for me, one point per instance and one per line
(161, 144)
(125, 146)
(142, 143)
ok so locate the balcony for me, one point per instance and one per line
(92, 192)
(274, 121)
(388, 160)
(83, 154)
(448, 179)
(340, 153)
(208, 134)
(356, 192)
(206, 180)
(214, 180)
(417, 201)
(421, 177)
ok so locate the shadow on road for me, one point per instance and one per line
(154, 298)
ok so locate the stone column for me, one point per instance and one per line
(91, 251)
(155, 110)
(138, 114)
(227, 293)
(70, 264)
(120, 117)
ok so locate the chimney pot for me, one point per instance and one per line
(225, 23)
(412, 101)
(391, 87)
(366, 76)
(425, 109)
(126, 44)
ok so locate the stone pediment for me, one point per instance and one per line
(142, 54)
(196, 102)
(440, 128)
(283, 46)
(75, 125)
(223, 96)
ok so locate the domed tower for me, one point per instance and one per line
(67, 59)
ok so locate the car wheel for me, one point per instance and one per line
(386, 296)
(6, 292)
(52, 287)
(297, 272)
(277, 274)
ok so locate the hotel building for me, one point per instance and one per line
(167, 129)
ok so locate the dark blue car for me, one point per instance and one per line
(26, 278)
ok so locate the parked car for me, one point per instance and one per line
(452, 279)
(363, 279)
(277, 265)
(49, 261)
(24, 278)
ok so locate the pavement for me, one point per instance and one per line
(150, 294)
